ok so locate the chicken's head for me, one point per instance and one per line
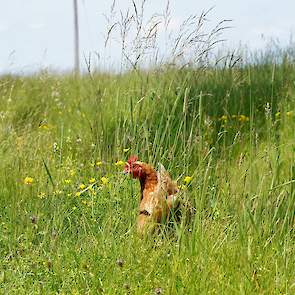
(133, 167)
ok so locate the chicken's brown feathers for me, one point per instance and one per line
(157, 193)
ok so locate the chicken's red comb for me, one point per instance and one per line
(132, 159)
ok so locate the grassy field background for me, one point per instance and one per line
(67, 214)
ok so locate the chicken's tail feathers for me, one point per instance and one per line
(161, 168)
(162, 173)
(165, 180)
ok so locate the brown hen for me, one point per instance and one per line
(158, 194)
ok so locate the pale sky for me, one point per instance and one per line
(38, 34)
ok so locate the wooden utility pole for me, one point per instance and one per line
(76, 38)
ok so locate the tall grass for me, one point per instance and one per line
(68, 213)
(55, 129)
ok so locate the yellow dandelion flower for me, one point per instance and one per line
(120, 163)
(126, 150)
(243, 118)
(28, 180)
(98, 163)
(92, 180)
(67, 181)
(44, 126)
(187, 180)
(82, 186)
(289, 114)
(223, 118)
(104, 180)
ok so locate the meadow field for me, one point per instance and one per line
(67, 213)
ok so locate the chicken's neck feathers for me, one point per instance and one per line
(149, 180)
